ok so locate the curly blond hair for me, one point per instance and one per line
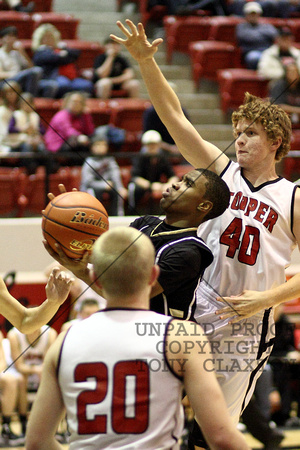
(273, 118)
(40, 32)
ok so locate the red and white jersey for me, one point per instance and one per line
(33, 354)
(117, 387)
(252, 241)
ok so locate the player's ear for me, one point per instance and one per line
(205, 206)
(95, 279)
(154, 274)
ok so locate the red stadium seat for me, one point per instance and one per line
(233, 83)
(21, 20)
(46, 108)
(12, 190)
(36, 187)
(40, 5)
(222, 28)
(208, 57)
(291, 163)
(294, 25)
(89, 51)
(181, 31)
(128, 114)
(100, 110)
(65, 23)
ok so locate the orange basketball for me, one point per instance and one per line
(75, 220)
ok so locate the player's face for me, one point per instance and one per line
(184, 195)
(252, 145)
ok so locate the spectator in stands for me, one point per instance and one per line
(286, 91)
(71, 129)
(58, 63)
(15, 64)
(10, 96)
(17, 5)
(252, 36)
(28, 130)
(28, 352)
(149, 167)
(87, 307)
(272, 61)
(101, 176)
(271, 8)
(285, 363)
(8, 400)
(112, 71)
(151, 121)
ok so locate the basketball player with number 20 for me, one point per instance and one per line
(252, 241)
(120, 372)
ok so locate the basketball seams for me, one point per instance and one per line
(76, 207)
(62, 225)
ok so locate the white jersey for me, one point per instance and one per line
(117, 387)
(252, 243)
(33, 354)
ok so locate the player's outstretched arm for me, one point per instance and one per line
(195, 364)
(28, 320)
(196, 150)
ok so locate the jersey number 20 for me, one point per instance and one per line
(120, 422)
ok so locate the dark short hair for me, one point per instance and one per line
(9, 30)
(217, 192)
(89, 302)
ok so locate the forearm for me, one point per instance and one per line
(36, 317)
(284, 292)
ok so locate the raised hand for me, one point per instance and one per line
(58, 286)
(136, 41)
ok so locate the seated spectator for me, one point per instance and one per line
(10, 96)
(8, 400)
(286, 91)
(15, 64)
(71, 128)
(17, 5)
(27, 128)
(148, 169)
(152, 121)
(271, 8)
(252, 36)
(272, 61)
(101, 176)
(285, 363)
(57, 62)
(113, 71)
(87, 307)
(28, 352)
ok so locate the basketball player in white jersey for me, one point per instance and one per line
(28, 320)
(120, 372)
(252, 241)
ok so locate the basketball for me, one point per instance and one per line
(75, 220)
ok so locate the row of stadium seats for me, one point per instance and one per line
(21, 194)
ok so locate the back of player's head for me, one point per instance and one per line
(123, 259)
(272, 117)
(217, 192)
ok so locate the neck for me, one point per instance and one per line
(257, 176)
(183, 222)
(137, 301)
